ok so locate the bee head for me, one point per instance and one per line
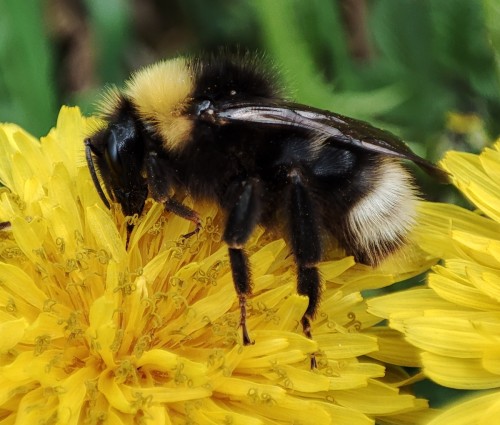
(116, 154)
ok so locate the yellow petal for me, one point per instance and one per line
(304, 412)
(461, 373)
(480, 248)
(12, 332)
(102, 328)
(331, 269)
(486, 280)
(407, 304)
(262, 259)
(281, 307)
(482, 410)
(47, 325)
(71, 130)
(21, 286)
(114, 393)
(104, 231)
(7, 149)
(341, 346)
(447, 336)
(31, 151)
(189, 372)
(36, 406)
(491, 358)
(33, 190)
(61, 191)
(458, 291)
(393, 348)
(85, 189)
(29, 236)
(307, 380)
(207, 309)
(72, 395)
(376, 399)
(346, 416)
(158, 414)
(490, 158)
(436, 222)
(217, 413)
(275, 346)
(470, 178)
(163, 394)
(484, 196)
(62, 226)
(244, 389)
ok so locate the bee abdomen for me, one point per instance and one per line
(378, 224)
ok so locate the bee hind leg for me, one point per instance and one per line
(244, 214)
(306, 245)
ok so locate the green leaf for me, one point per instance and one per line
(26, 67)
(492, 18)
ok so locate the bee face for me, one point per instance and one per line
(219, 129)
(117, 152)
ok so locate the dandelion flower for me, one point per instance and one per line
(455, 319)
(93, 332)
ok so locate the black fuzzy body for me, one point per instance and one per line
(215, 158)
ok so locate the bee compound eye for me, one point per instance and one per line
(121, 139)
(112, 158)
(112, 151)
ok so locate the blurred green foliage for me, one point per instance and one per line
(401, 64)
(26, 88)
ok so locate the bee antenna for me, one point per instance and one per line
(93, 173)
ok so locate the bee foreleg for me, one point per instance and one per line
(183, 211)
(244, 214)
(306, 246)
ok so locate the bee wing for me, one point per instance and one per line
(336, 128)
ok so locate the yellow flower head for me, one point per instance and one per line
(93, 332)
(455, 321)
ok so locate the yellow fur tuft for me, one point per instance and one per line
(109, 102)
(161, 93)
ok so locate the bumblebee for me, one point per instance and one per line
(220, 129)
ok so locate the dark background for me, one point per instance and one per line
(425, 69)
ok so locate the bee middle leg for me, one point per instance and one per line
(244, 214)
(159, 185)
(306, 247)
(4, 225)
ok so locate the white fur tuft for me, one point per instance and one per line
(380, 221)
